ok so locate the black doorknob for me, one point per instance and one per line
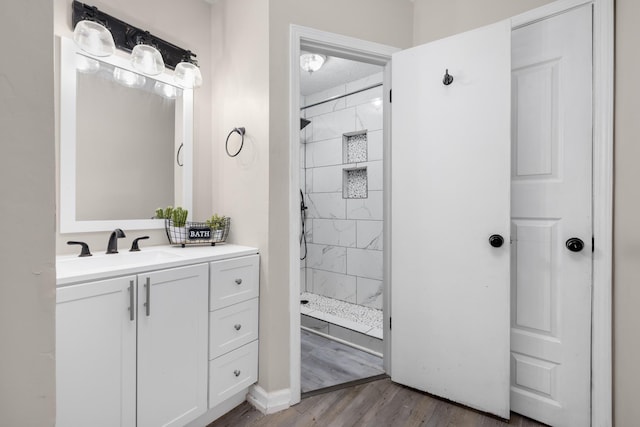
(574, 244)
(496, 240)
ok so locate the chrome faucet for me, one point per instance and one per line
(112, 247)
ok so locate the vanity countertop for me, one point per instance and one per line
(71, 269)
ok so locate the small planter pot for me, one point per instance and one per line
(181, 234)
(217, 235)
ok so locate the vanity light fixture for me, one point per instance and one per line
(94, 38)
(99, 34)
(188, 75)
(312, 61)
(147, 59)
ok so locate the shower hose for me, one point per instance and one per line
(303, 233)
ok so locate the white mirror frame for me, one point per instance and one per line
(68, 221)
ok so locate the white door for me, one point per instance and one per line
(96, 354)
(173, 321)
(551, 203)
(451, 185)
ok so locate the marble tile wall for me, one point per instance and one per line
(344, 235)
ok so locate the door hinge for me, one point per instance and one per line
(390, 96)
(389, 323)
(593, 244)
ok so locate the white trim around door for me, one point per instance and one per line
(357, 50)
(603, 36)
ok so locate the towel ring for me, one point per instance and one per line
(178, 155)
(239, 131)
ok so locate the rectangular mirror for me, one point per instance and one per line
(125, 143)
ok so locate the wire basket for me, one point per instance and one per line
(196, 233)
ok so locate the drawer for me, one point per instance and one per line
(233, 281)
(232, 327)
(232, 372)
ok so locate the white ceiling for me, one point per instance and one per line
(334, 72)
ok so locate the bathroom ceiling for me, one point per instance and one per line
(334, 72)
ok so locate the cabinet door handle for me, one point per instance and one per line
(132, 308)
(238, 281)
(236, 372)
(237, 326)
(147, 304)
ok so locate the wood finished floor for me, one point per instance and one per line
(379, 403)
(326, 363)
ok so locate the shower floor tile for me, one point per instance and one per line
(359, 318)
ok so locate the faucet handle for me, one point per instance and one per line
(134, 245)
(85, 248)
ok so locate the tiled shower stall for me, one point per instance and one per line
(342, 178)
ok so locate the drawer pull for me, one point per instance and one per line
(236, 372)
(238, 326)
(238, 281)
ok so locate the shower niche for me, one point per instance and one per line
(354, 183)
(354, 147)
(354, 179)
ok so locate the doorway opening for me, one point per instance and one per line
(341, 223)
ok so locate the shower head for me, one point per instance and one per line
(304, 123)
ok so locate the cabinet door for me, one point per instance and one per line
(172, 346)
(96, 354)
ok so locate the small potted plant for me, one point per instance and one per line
(217, 225)
(175, 223)
(179, 219)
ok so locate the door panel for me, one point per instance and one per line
(451, 177)
(551, 202)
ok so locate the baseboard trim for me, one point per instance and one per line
(269, 402)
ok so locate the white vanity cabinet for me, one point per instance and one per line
(96, 354)
(132, 351)
(233, 327)
(172, 346)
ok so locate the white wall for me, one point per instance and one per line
(27, 286)
(186, 24)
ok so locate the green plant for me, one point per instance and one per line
(179, 216)
(164, 213)
(216, 222)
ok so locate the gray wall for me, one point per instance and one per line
(27, 287)
(626, 268)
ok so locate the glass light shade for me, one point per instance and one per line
(188, 75)
(128, 78)
(147, 59)
(86, 65)
(94, 38)
(163, 89)
(312, 61)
